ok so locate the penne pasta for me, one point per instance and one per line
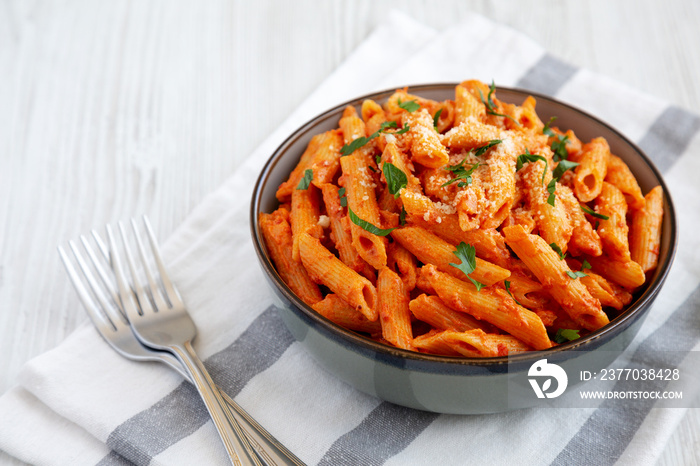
(392, 307)
(333, 308)
(491, 305)
(592, 168)
(463, 227)
(432, 310)
(278, 239)
(323, 267)
(431, 249)
(645, 232)
(555, 275)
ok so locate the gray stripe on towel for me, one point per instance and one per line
(669, 136)
(608, 431)
(181, 412)
(547, 76)
(385, 432)
(114, 459)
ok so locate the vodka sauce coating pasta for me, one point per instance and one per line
(465, 227)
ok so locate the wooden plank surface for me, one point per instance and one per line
(114, 108)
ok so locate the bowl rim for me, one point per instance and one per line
(622, 321)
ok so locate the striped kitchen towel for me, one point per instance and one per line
(83, 404)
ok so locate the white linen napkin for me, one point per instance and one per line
(81, 403)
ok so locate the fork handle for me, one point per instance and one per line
(239, 449)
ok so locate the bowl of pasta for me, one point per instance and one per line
(429, 245)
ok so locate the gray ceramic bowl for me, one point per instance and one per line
(444, 384)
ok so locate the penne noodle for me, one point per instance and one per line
(432, 310)
(628, 274)
(284, 192)
(392, 306)
(323, 267)
(553, 273)
(278, 239)
(592, 168)
(619, 175)
(613, 231)
(305, 216)
(341, 234)
(471, 344)
(426, 147)
(431, 249)
(401, 261)
(333, 308)
(362, 199)
(645, 231)
(492, 305)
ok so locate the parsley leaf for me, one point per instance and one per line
(402, 216)
(575, 275)
(410, 106)
(594, 213)
(566, 334)
(562, 167)
(365, 225)
(395, 178)
(547, 130)
(348, 149)
(479, 151)
(490, 106)
(466, 253)
(461, 173)
(558, 250)
(402, 130)
(507, 284)
(551, 187)
(343, 197)
(559, 144)
(306, 180)
(585, 265)
(528, 157)
(436, 118)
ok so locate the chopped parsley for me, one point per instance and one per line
(348, 149)
(402, 216)
(507, 285)
(410, 106)
(575, 275)
(306, 180)
(594, 213)
(466, 253)
(367, 226)
(479, 151)
(461, 174)
(566, 334)
(436, 118)
(551, 187)
(490, 106)
(395, 178)
(464, 175)
(559, 144)
(562, 167)
(528, 157)
(558, 250)
(343, 197)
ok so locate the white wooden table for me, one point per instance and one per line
(118, 107)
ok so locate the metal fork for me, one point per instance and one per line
(112, 325)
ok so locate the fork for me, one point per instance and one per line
(112, 325)
(160, 320)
